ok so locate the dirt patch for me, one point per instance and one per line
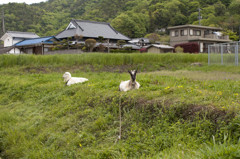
(152, 108)
(190, 112)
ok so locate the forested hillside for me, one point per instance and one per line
(135, 18)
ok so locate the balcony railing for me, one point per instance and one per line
(214, 36)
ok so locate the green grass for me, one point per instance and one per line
(98, 59)
(181, 111)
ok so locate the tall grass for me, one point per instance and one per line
(99, 59)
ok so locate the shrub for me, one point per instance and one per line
(143, 50)
(90, 43)
(189, 47)
(101, 48)
(179, 49)
(120, 43)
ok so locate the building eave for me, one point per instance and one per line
(194, 26)
(5, 36)
(211, 40)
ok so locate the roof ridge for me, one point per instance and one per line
(75, 21)
(21, 32)
(91, 21)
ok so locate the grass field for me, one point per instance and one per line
(180, 111)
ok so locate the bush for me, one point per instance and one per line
(143, 50)
(90, 43)
(179, 49)
(189, 47)
(101, 48)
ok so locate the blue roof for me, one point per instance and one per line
(43, 40)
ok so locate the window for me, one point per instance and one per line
(173, 33)
(197, 32)
(207, 32)
(183, 32)
(191, 32)
(176, 33)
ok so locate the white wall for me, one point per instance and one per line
(14, 51)
(8, 42)
(201, 46)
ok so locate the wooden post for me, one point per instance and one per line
(108, 45)
(42, 49)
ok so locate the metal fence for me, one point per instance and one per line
(224, 54)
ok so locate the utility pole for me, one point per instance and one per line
(239, 34)
(3, 22)
(199, 16)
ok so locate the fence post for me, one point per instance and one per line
(221, 54)
(208, 55)
(236, 54)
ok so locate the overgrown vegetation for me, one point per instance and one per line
(180, 110)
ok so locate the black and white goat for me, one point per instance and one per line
(130, 84)
(72, 80)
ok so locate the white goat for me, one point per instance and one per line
(72, 80)
(130, 84)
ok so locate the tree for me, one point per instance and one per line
(153, 37)
(77, 38)
(234, 7)
(120, 43)
(90, 44)
(131, 24)
(232, 35)
(219, 8)
(101, 39)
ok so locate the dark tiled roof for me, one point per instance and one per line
(92, 30)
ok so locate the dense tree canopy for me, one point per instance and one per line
(134, 18)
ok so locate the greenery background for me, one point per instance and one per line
(134, 18)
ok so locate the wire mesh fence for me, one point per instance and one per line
(224, 54)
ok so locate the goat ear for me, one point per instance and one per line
(130, 72)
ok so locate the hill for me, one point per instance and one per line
(134, 18)
(180, 110)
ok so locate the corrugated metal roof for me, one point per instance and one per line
(44, 40)
(135, 47)
(26, 35)
(162, 46)
(92, 30)
(136, 40)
